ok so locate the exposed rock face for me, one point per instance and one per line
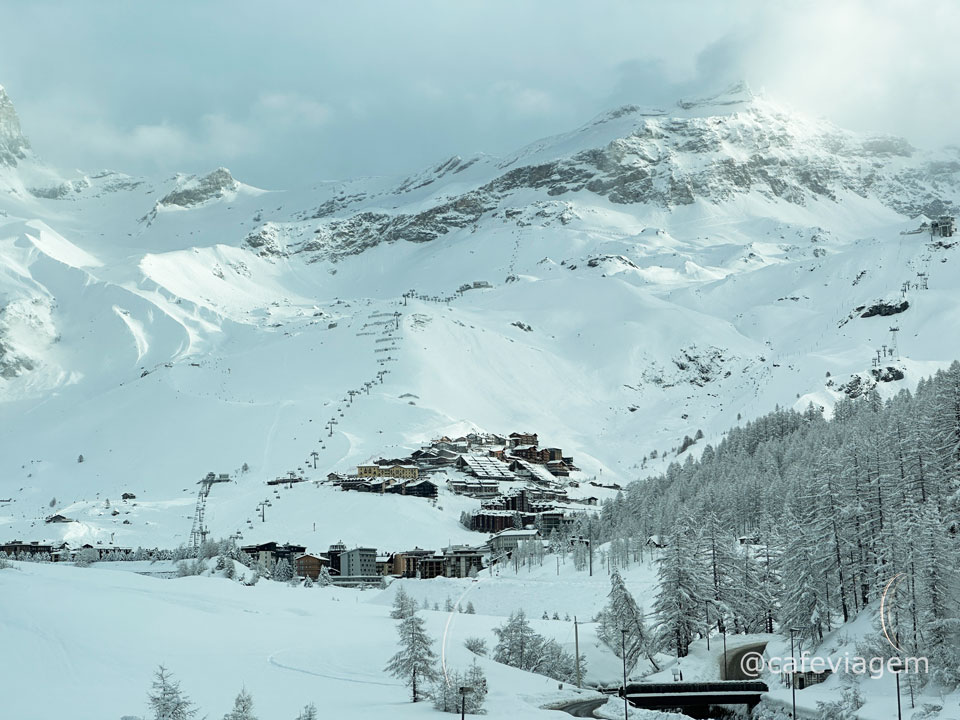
(714, 150)
(193, 191)
(884, 309)
(13, 145)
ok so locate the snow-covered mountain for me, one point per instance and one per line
(653, 273)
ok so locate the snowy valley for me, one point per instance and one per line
(637, 292)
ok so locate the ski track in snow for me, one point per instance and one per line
(356, 678)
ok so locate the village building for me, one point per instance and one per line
(334, 552)
(310, 565)
(272, 552)
(943, 226)
(415, 488)
(485, 467)
(358, 562)
(507, 540)
(474, 488)
(18, 547)
(375, 470)
(406, 564)
(523, 438)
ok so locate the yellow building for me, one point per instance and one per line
(404, 472)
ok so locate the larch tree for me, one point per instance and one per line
(415, 662)
(166, 700)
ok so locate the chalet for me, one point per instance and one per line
(128, 496)
(474, 488)
(558, 468)
(375, 470)
(337, 478)
(551, 455)
(310, 565)
(522, 439)
(527, 452)
(414, 488)
(57, 519)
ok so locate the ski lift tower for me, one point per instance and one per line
(199, 532)
(894, 350)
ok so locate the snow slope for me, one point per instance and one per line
(653, 273)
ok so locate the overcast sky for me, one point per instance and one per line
(287, 93)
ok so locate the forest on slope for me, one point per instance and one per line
(798, 521)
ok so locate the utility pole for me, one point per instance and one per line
(706, 605)
(793, 672)
(896, 666)
(576, 646)
(723, 629)
(623, 654)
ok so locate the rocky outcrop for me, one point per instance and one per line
(13, 145)
(192, 191)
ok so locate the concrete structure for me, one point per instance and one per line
(359, 562)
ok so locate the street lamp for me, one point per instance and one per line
(723, 630)
(896, 667)
(623, 654)
(463, 701)
(793, 671)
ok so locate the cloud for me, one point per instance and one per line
(292, 109)
(304, 92)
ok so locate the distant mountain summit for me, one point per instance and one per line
(14, 146)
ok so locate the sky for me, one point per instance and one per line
(292, 93)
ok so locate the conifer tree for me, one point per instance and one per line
(166, 700)
(415, 662)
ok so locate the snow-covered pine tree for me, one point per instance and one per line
(475, 679)
(166, 700)
(684, 587)
(324, 579)
(414, 663)
(403, 605)
(622, 626)
(283, 572)
(242, 707)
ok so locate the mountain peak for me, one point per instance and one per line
(738, 93)
(13, 145)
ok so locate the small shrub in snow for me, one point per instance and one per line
(242, 708)
(309, 712)
(86, 557)
(476, 645)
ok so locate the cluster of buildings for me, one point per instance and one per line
(365, 565)
(59, 552)
(519, 482)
